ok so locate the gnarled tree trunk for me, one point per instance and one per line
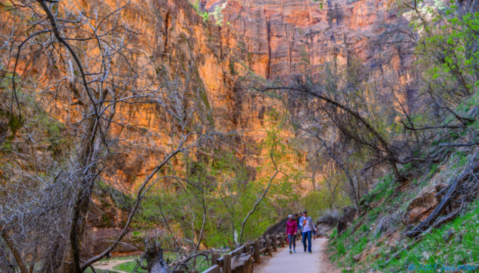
(154, 258)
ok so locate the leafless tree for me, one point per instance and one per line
(77, 62)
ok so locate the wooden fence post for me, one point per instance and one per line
(274, 241)
(214, 257)
(227, 263)
(224, 264)
(247, 248)
(256, 253)
(268, 245)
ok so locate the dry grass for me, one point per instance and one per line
(387, 224)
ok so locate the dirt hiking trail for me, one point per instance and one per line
(300, 261)
(108, 265)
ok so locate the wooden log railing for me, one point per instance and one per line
(242, 258)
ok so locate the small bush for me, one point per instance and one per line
(387, 224)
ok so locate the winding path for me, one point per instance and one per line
(300, 262)
(108, 265)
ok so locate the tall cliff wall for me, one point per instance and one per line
(176, 37)
(282, 34)
(288, 37)
(274, 38)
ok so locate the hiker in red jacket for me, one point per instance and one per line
(291, 229)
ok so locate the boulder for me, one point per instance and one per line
(357, 258)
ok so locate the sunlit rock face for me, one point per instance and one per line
(274, 38)
(284, 38)
(279, 38)
(287, 37)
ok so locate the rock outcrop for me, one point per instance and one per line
(421, 206)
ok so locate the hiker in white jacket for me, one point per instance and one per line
(307, 227)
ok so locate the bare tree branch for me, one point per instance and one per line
(262, 196)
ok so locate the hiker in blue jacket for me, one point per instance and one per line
(307, 228)
(298, 217)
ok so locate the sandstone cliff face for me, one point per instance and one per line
(274, 38)
(287, 37)
(176, 37)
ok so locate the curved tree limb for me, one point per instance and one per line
(14, 89)
(384, 143)
(56, 31)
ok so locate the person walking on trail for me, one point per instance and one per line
(307, 228)
(291, 230)
(297, 218)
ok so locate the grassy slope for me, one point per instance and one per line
(453, 244)
(461, 249)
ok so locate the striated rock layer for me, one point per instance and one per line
(274, 38)
(287, 37)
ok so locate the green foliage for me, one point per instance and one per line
(432, 171)
(107, 192)
(334, 234)
(383, 189)
(451, 244)
(452, 48)
(42, 128)
(461, 159)
(227, 189)
(6, 6)
(440, 5)
(320, 2)
(130, 267)
(231, 66)
(15, 123)
(88, 270)
(218, 15)
(197, 5)
(206, 16)
(316, 202)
